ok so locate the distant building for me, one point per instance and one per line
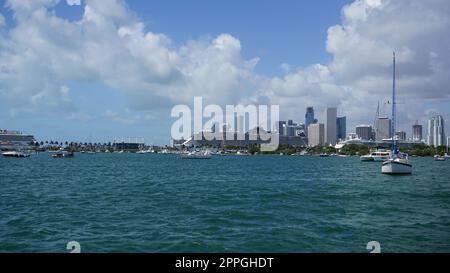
(240, 125)
(316, 134)
(294, 129)
(309, 118)
(341, 125)
(364, 132)
(401, 135)
(436, 131)
(280, 127)
(330, 116)
(383, 128)
(352, 136)
(417, 132)
(13, 140)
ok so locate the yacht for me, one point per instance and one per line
(62, 154)
(242, 153)
(440, 158)
(398, 163)
(196, 155)
(377, 156)
(15, 154)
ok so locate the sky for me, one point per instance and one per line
(105, 70)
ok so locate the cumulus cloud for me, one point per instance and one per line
(109, 45)
(73, 2)
(360, 73)
(43, 53)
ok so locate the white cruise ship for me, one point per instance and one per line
(13, 140)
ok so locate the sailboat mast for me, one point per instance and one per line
(394, 144)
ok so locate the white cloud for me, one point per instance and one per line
(360, 73)
(73, 2)
(44, 53)
(2, 20)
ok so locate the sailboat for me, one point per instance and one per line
(398, 163)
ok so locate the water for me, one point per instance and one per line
(160, 203)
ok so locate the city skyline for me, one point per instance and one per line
(113, 69)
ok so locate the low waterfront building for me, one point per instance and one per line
(364, 132)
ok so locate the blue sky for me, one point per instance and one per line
(121, 74)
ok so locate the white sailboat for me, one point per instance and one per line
(398, 163)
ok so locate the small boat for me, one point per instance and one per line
(324, 155)
(196, 155)
(62, 154)
(244, 153)
(17, 154)
(376, 156)
(440, 158)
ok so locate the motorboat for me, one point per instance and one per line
(196, 155)
(376, 156)
(62, 154)
(440, 158)
(16, 154)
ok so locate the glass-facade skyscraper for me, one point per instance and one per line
(341, 124)
(309, 118)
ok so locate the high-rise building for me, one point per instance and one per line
(401, 135)
(417, 132)
(383, 128)
(280, 126)
(309, 117)
(240, 124)
(436, 131)
(341, 125)
(316, 134)
(291, 127)
(330, 116)
(364, 132)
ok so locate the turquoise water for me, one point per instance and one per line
(160, 203)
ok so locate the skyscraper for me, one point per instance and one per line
(417, 132)
(240, 124)
(280, 126)
(383, 128)
(341, 124)
(436, 132)
(309, 117)
(316, 134)
(330, 116)
(364, 132)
